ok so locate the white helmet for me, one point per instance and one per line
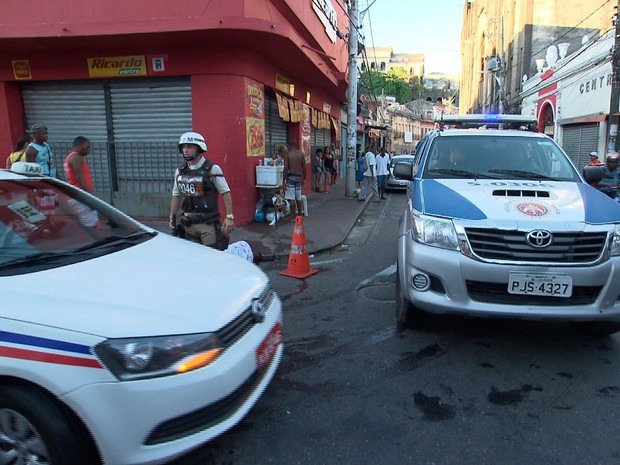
(192, 138)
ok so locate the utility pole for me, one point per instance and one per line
(352, 100)
(615, 86)
(502, 69)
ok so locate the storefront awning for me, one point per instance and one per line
(583, 119)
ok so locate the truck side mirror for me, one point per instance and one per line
(404, 170)
(593, 174)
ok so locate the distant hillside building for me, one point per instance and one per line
(441, 87)
(384, 59)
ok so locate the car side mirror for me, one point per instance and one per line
(404, 170)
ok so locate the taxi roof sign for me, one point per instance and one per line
(23, 167)
(486, 121)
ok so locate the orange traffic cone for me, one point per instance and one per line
(298, 260)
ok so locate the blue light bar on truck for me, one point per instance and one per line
(528, 123)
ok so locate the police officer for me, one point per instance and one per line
(197, 183)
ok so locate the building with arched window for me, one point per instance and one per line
(571, 98)
(384, 59)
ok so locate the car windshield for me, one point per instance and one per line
(498, 157)
(45, 224)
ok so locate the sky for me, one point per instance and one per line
(432, 27)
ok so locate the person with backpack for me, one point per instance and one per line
(197, 183)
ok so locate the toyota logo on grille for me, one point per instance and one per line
(539, 238)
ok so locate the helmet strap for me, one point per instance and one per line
(191, 157)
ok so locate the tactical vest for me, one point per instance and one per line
(198, 191)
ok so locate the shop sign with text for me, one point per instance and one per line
(326, 12)
(587, 93)
(21, 69)
(283, 84)
(124, 66)
(255, 118)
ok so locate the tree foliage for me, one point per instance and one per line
(395, 82)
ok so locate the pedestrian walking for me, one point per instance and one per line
(294, 177)
(336, 155)
(328, 168)
(197, 183)
(359, 167)
(77, 174)
(383, 170)
(317, 163)
(594, 161)
(77, 171)
(19, 152)
(370, 177)
(39, 151)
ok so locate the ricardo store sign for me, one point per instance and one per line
(134, 65)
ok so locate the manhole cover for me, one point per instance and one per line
(380, 292)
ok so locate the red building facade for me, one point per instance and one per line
(133, 76)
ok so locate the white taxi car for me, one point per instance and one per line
(500, 223)
(119, 344)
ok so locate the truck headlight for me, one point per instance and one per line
(614, 250)
(151, 357)
(433, 231)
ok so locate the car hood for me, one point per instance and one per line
(514, 200)
(165, 285)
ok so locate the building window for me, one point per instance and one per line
(373, 65)
(383, 66)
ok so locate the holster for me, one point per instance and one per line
(177, 229)
(188, 219)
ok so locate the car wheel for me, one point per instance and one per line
(33, 429)
(407, 316)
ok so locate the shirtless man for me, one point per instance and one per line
(294, 176)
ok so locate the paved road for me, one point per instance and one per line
(351, 390)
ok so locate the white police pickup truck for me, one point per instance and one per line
(119, 344)
(500, 223)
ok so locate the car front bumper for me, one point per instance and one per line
(393, 183)
(461, 285)
(155, 420)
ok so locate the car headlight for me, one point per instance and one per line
(150, 357)
(614, 250)
(437, 232)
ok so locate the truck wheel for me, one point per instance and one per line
(407, 316)
(33, 429)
